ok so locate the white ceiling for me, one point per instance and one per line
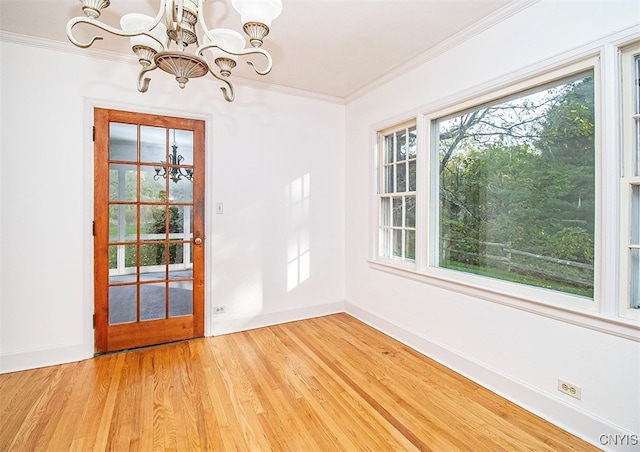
(330, 47)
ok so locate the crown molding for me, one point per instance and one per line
(67, 47)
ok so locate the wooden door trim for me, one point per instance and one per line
(100, 226)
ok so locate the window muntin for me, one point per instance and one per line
(397, 193)
(516, 183)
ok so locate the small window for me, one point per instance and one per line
(516, 185)
(397, 193)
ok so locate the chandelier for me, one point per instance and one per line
(152, 38)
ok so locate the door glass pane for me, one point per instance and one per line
(122, 259)
(180, 222)
(123, 220)
(181, 191)
(177, 253)
(123, 139)
(122, 304)
(176, 222)
(179, 271)
(183, 140)
(180, 298)
(122, 182)
(153, 144)
(153, 187)
(152, 222)
(153, 259)
(152, 301)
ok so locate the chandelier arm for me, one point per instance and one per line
(109, 29)
(269, 62)
(75, 21)
(242, 52)
(227, 92)
(143, 82)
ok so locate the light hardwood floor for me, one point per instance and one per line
(326, 384)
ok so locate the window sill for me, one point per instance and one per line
(591, 319)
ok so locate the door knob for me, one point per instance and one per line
(198, 241)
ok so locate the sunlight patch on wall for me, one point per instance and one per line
(298, 197)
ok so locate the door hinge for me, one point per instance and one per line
(93, 136)
(94, 321)
(93, 228)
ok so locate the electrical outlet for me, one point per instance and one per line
(218, 310)
(570, 389)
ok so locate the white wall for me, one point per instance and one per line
(516, 353)
(259, 150)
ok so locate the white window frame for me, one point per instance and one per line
(380, 167)
(630, 174)
(532, 293)
(603, 312)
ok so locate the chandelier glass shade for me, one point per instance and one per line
(160, 42)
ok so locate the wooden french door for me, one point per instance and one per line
(148, 229)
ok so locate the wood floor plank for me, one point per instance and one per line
(329, 383)
(364, 425)
(308, 392)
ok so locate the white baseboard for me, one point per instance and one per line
(43, 357)
(222, 325)
(49, 356)
(580, 423)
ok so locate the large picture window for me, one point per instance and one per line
(516, 184)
